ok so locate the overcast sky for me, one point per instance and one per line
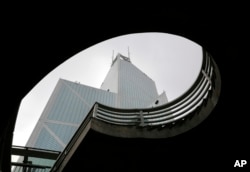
(173, 62)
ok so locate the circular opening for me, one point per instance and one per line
(172, 62)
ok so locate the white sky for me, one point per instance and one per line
(173, 62)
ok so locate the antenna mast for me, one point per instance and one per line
(129, 55)
(112, 58)
(128, 52)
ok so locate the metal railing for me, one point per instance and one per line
(179, 109)
(202, 95)
(25, 163)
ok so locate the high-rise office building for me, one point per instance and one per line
(125, 86)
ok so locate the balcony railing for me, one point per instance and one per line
(198, 101)
(32, 159)
(173, 118)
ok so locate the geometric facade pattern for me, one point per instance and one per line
(125, 86)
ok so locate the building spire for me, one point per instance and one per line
(123, 57)
(112, 58)
(128, 53)
(119, 55)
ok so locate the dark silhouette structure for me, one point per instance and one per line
(35, 47)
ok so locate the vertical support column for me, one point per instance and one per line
(26, 168)
(207, 77)
(25, 161)
(95, 110)
(142, 124)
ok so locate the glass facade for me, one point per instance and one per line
(66, 109)
(111, 81)
(125, 86)
(136, 89)
(133, 87)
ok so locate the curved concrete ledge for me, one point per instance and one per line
(168, 120)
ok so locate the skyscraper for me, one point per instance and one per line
(125, 86)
